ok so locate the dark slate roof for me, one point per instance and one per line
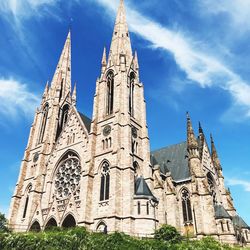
(239, 222)
(220, 212)
(86, 121)
(141, 188)
(174, 159)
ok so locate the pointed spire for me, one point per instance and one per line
(62, 77)
(104, 57)
(121, 41)
(215, 157)
(136, 63)
(74, 95)
(46, 90)
(200, 129)
(191, 140)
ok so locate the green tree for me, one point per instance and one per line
(167, 233)
(3, 223)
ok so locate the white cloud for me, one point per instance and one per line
(16, 100)
(238, 10)
(200, 67)
(238, 182)
(24, 8)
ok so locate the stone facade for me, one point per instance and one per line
(100, 173)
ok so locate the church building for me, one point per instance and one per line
(99, 172)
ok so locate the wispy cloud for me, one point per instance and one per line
(238, 182)
(238, 11)
(16, 100)
(200, 67)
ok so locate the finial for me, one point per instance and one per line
(104, 57)
(200, 128)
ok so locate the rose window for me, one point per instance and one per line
(67, 177)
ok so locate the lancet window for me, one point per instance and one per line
(186, 206)
(105, 182)
(43, 123)
(131, 93)
(110, 93)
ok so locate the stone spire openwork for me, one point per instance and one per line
(62, 77)
(121, 44)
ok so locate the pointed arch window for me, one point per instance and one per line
(62, 119)
(105, 182)
(28, 190)
(212, 188)
(110, 93)
(43, 122)
(186, 206)
(131, 93)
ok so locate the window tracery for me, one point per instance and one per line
(105, 180)
(186, 206)
(110, 93)
(67, 177)
(131, 93)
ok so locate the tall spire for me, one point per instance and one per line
(74, 95)
(121, 41)
(215, 157)
(46, 90)
(191, 140)
(62, 77)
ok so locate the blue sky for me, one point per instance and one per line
(193, 55)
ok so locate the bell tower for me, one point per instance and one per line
(120, 142)
(49, 121)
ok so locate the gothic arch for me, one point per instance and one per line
(101, 226)
(69, 221)
(131, 92)
(137, 169)
(105, 180)
(101, 164)
(110, 92)
(35, 226)
(63, 115)
(26, 195)
(50, 223)
(43, 123)
(212, 187)
(186, 205)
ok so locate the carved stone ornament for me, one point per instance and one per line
(67, 177)
(107, 130)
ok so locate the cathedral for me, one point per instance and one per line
(99, 173)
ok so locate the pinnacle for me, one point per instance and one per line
(121, 41)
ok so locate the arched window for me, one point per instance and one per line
(186, 206)
(43, 123)
(131, 93)
(69, 221)
(105, 179)
(28, 190)
(110, 93)
(212, 189)
(147, 208)
(35, 227)
(50, 224)
(62, 119)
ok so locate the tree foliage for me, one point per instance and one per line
(168, 233)
(80, 239)
(3, 223)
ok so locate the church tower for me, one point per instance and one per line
(49, 120)
(120, 152)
